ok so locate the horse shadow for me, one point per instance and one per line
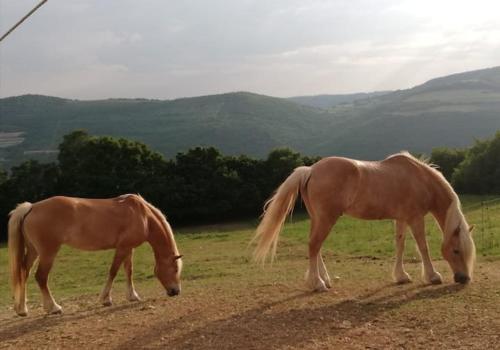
(289, 328)
(18, 326)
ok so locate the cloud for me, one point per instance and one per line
(166, 49)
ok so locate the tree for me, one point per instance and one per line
(106, 166)
(447, 159)
(30, 181)
(479, 172)
(205, 186)
(279, 165)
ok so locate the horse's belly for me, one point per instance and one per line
(370, 213)
(90, 242)
(89, 245)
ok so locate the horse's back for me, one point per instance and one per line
(393, 188)
(397, 187)
(84, 223)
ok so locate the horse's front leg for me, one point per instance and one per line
(399, 273)
(120, 255)
(430, 275)
(128, 267)
(323, 273)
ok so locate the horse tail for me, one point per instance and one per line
(17, 247)
(276, 210)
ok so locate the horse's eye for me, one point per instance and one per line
(456, 251)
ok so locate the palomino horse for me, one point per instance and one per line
(400, 187)
(123, 223)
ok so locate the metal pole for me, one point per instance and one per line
(23, 19)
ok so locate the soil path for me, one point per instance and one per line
(357, 314)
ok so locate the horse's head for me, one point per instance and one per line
(459, 250)
(168, 271)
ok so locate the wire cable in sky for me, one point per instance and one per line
(23, 19)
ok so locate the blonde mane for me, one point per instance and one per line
(433, 170)
(163, 220)
(456, 219)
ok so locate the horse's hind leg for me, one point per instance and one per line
(429, 273)
(399, 273)
(29, 259)
(320, 228)
(42, 275)
(128, 267)
(120, 255)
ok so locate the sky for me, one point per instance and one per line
(163, 49)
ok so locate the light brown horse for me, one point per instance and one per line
(38, 230)
(400, 187)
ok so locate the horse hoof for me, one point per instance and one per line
(107, 303)
(436, 278)
(321, 288)
(436, 281)
(133, 297)
(403, 280)
(56, 310)
(22, 313)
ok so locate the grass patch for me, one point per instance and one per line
(214, 255)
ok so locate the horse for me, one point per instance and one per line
(400, 187)
(37, 230)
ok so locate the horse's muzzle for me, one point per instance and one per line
(172, 292)
(461, 278)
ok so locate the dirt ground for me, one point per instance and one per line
(358, 313)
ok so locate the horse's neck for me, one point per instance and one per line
(161, 242)
(443, 201)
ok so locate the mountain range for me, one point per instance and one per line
(449, 111)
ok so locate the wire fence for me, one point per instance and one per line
(485, 216)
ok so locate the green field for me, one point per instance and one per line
(215, 253)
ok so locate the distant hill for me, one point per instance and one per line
(329, 101)
(449, 111)
(236, 123)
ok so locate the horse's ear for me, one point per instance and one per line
(471, 227)
(177, 257)
(456, 233)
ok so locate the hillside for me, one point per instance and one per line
(236, 123)
(449, 111)
(329, 101)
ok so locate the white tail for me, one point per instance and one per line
(17, 251)
(276, 210)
